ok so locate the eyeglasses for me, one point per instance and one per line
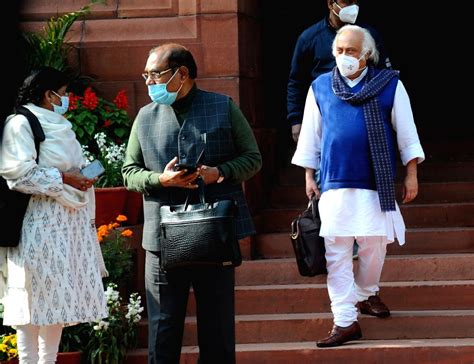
(155, 75)
(58, 95)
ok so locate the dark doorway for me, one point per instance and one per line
(412, 34)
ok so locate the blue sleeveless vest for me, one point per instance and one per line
(345, 155)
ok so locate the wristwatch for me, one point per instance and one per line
(221, 176)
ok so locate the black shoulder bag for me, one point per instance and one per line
(307, 244)
(199, 234)
(13, 204)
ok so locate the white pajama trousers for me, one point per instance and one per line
(38, 344)
(346, 286)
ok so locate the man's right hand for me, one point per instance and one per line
(311, 185)
(295, 132)
(172, 178)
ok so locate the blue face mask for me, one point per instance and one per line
(159, 94)
(64, 104)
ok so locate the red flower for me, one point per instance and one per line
(107, 123)
(90, 99)
(121, 100)
(73, 99)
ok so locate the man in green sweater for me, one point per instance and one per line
(176, 126)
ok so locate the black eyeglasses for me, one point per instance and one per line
(155, 75)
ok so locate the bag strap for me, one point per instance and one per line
(314, 206)
(38, 133)
(199, 182)
(202, 197)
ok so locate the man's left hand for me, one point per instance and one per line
(208, 174)
(410, 188)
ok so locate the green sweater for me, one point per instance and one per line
(246, 164)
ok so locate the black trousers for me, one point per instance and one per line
(167, 297)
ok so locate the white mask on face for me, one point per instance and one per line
(347, 65)
(61, 109)
(348, 14)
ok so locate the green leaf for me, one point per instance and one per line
(90, 129)
(120, 132)
(79, 132)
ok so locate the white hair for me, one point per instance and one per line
(368, 42)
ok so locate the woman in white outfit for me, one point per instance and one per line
(54, 274)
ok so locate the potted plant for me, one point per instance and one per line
(112, 337)
(108, 340)
(103, 127)
(49, 47)
(91, 114)
(115, 246)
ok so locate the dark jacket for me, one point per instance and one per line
(313, 57)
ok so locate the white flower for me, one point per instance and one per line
(134, 308)
(112, 295)
(101, 326)
(88, 157)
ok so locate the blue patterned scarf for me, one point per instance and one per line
(367, 97)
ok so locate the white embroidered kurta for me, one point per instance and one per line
(53, 274)
(351, 211)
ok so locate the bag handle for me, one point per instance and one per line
(202, 197)
(314, 206)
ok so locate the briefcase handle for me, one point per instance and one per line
(202, 197)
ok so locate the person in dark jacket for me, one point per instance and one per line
(180, 121)
(313, 56)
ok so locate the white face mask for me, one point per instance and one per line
(347, 65)
(348, 14)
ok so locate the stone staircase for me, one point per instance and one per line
(428, 284)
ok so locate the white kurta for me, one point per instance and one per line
(351, 211)
(53, 274)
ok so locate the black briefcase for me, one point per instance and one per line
(307, 244)
(199, 234)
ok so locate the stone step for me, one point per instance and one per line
(415, 216)
(418, 241)
(399, 296)
(254, 329)
(436, 192)
(397, 268)
(312, 326)
(439, 351)
(430, 171)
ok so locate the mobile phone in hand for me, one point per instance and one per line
(189, 169)
(93, 170)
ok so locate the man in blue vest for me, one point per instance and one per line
(176, 126)
(354, 118)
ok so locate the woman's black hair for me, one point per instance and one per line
(38, 82)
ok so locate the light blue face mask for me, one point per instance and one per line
(159, 94)
(64, 104)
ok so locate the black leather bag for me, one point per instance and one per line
(199, 234)
(13, 204)
(307, 244)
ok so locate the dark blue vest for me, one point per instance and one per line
(161, 138)
(345, 155)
